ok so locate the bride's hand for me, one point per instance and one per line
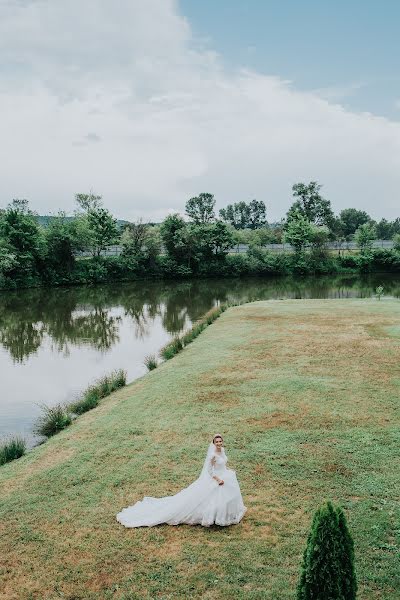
(221, 482)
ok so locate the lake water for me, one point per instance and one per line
(54, 342)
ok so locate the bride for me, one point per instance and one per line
(214, 498)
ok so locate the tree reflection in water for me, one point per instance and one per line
(92, 315)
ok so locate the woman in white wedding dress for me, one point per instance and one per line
(214, 498)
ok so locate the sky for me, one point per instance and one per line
(150, 102)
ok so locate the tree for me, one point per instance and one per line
(238, 215)
(88, 202)
(141, 242)
(319, 239)
(396, 226)
(298, 231)
(311, 205)
(173, 232)
(257, 214)
(23, 237)
(8, 259)
(201, 208)
(63, 240)
(222, 238)
(351, 219)
(328, 563)
(101, 227)
(396, 242)
(364, 237)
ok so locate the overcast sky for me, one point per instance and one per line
(147, 103)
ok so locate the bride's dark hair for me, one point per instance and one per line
(217, 435)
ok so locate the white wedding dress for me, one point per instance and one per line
(203, 502)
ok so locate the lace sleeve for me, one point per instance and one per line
(210, 466)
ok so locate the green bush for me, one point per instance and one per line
(12, 449)
(53, 420)
(328, 563)
(151, 362)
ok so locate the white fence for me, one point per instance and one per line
(243, 248)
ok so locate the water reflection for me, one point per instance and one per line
(85, 315)
(54, 342)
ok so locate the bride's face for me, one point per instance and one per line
(218, 442)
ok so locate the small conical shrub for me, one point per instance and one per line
(328, 563)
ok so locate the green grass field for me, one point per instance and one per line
(306, 393)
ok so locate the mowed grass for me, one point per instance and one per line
(306, 393)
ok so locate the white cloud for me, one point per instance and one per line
(112, 96)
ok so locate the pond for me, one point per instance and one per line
(55, 342)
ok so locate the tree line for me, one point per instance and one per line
(198, 243)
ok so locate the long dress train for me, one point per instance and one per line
(203, 502)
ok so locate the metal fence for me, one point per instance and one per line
(243, 248)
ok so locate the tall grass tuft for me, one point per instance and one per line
(89, 399)
(179, 342)
(12, 449)
(172, 348)
(150, 362)
(98, 390)
(53, 420)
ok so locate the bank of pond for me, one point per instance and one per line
(258, 261)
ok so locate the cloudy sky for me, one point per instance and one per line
(149, 102)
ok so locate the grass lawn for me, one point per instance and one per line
(306, 393)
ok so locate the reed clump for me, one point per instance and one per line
(52, 420)
(150, 362)
(173, 347)
(100, 389)
(12, 449)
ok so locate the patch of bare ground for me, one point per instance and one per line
(223, 396)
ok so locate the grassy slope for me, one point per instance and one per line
(306, 393)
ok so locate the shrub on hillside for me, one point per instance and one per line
(328, 564)
(12, 449)
(53, 420)
(150, 362)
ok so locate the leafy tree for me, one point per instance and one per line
(141, 242)
(364, 236)
(396, 242)
(8, 259)
(223, 239)
(319, 239)
(238, 215)
(98, 223)
(257, 214)
(63, 240)
(351, 219)
(211, 241)
(88, 202)
(311, 205)
(396, 226)
(328, 563)
(201, 208)
(384, 230)
(173, 232)
(23, 237)
(298, 231)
